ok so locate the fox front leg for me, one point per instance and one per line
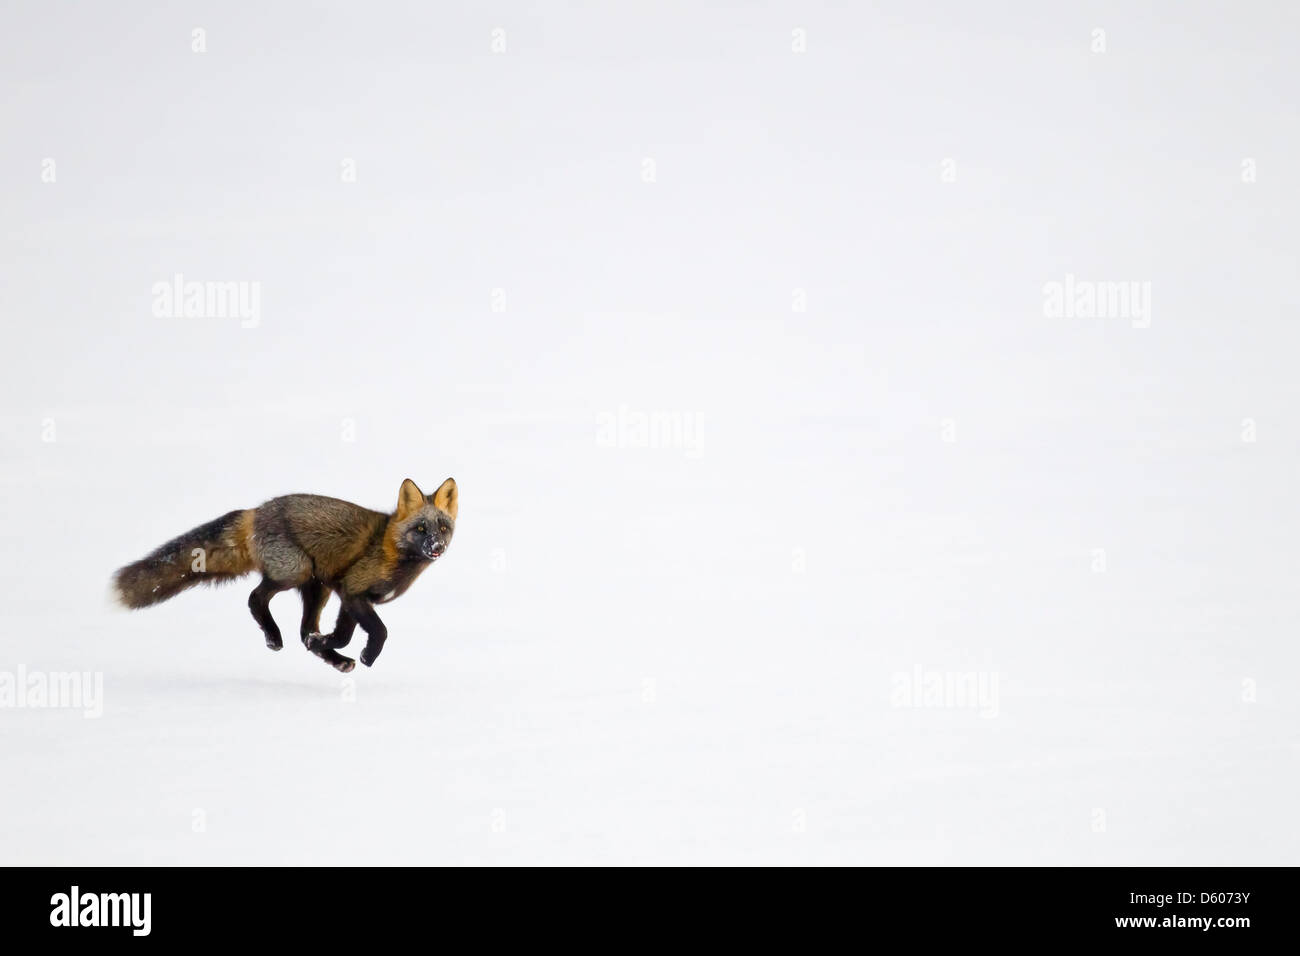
(363, 612)
(325, 646)
(340, 637)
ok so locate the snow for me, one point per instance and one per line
(709, 641)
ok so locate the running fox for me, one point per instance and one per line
(314, 544)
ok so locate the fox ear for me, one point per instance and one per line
(446, 498)
(410, 499)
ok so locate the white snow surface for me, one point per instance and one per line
(662, 655)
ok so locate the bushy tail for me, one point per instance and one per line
(220, 550)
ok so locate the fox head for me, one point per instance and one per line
(422, 525)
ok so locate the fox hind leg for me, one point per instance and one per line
(314, 595)
(325, 646)
(341, 636)
(259, 603)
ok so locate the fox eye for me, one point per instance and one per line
(421, 527)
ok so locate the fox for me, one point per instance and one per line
(319, 545)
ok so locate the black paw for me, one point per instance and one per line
(331, 657)
(274, 643)
(367, 658)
